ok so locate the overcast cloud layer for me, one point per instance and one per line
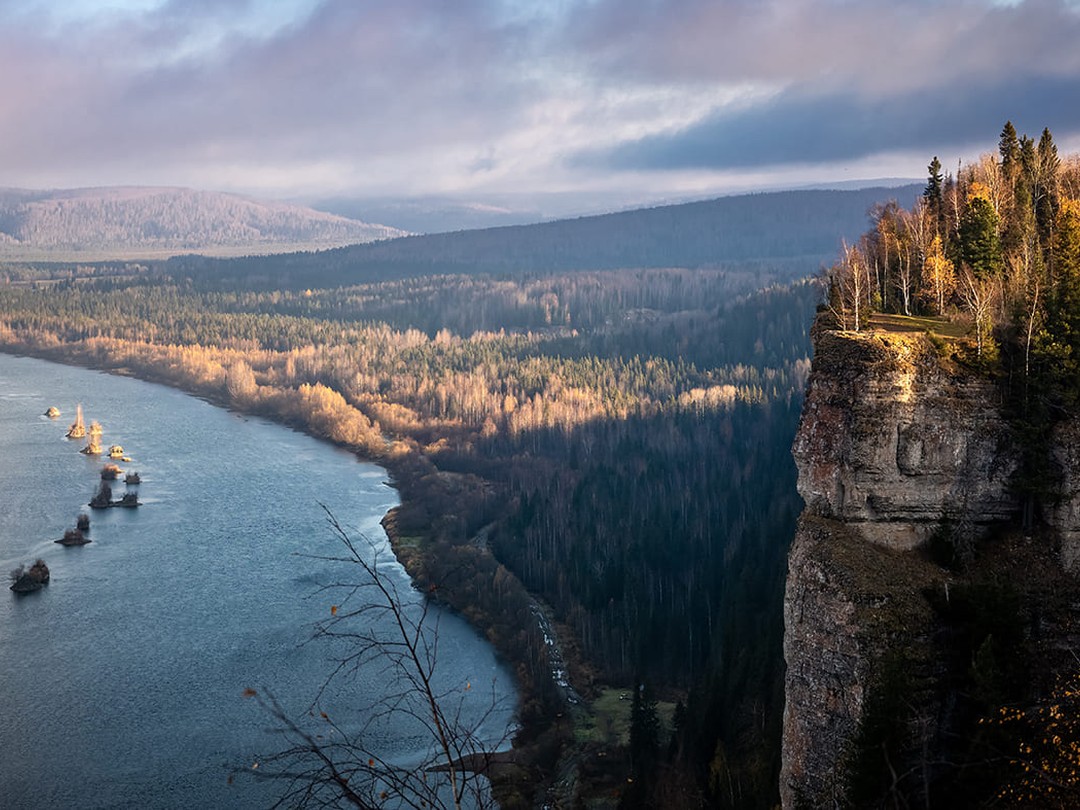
(482, 97)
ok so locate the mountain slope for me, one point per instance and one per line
(126, 220)
(777, 228)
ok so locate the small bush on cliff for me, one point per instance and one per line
(941, 346)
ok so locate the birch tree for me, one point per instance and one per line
(849, 289)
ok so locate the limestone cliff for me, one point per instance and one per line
(894, 439)
(901, 453)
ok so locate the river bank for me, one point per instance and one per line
(129, 670)
(428, 533)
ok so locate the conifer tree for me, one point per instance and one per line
(644, 732)
(1045, 197)
(1065, 315)
(935, 182)
(980, 246)
(1067, 242)
(1017, 212)
(934, 193)
(1009, 149)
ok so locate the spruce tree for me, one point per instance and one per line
(644, 732)
(980, 246)
(1065, 318)
(934, 193)
(1009, 148)
(1047, 165)
(935, 183)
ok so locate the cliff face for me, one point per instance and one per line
(897, 446)
(1064, 514)
(848, 605)
(893, 440)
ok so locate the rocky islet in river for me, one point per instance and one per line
(73, 537)
(29, 580)
(24, 580)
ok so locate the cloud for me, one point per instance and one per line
(428, 97)
(841, 80)
(355, 80)
(868, 47)
(797, 128)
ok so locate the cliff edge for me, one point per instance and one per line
(915, 607)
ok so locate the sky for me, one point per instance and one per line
(486, 99)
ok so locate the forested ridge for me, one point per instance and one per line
(129, 219)
(616, 440)
(778, 232)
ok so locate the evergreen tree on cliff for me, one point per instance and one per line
(1046, 196)
(1009, 149)
(934, 193)
(1059, 344)
(1017, 200)
(980, 245)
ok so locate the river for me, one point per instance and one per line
(122, 680)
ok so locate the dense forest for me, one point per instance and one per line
(613, 442)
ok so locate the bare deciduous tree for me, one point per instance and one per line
(240, 382)
(849, 289)
(980, 297)
(388, 633)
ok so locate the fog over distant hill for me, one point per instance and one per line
(152, 221)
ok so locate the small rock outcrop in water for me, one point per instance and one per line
(27, 581)
(132, 478)
(53, 412)
(93, 444)
(110, 472)
(78, 427)
(102, 498)
(73, 537)
(82, 522)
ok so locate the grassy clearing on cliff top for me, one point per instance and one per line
(936, 325)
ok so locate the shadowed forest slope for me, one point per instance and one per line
(783, 230)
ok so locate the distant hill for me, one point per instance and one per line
(442, 214)
(779, 228)
(432, 214)
(145, 221)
